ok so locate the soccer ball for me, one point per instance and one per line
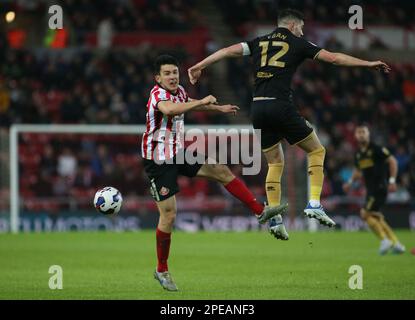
(108, 200)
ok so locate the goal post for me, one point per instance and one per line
(18, 129)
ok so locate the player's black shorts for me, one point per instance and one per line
(278, 120)
(163, 177)
(375, 199)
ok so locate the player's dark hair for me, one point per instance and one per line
(290, 14)
(162, 60)
(362, 124)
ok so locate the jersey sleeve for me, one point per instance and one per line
(382, 153)
(309, 49)
(249, 46)
(161, 95)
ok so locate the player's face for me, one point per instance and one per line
(169, 77)
(362, 135)
(298, 29)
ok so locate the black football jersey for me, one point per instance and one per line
(276, 57)
(372, 163)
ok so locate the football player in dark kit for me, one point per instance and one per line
(376, 163)
(276, 57)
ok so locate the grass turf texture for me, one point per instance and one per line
(249, 265)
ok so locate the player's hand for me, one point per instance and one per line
(346, 187)
(209, 100)
(194, 74)
(380, 65)
(228, 108)
(392, 187)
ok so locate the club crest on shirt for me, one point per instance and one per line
(164, 191)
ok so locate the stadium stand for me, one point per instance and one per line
(92, 87)
(243, 15)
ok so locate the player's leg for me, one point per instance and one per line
(167, 210)
(299, 132)
(397, 246)
(374, 202)
(372, 218)
(373, 221)
(222, 174)
(275, 160)
(163, 187)
(315, 154)
(370, 215)
(267, 117)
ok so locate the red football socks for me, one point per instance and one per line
(239, 190)
(163, 249)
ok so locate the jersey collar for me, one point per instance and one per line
(171, 92)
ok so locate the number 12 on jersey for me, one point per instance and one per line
(273, 61)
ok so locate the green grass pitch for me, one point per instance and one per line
(247, 265)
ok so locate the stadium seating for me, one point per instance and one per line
(92, 87)
(134, 15)
(243, 15)
(84, 87)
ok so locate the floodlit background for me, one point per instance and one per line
(98, 70)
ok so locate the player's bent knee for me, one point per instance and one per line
(223, 173)
(276, 163)
(169, 220)
(277, 159)
(377, 215)
(316, 157)
(363, 214)
(275, 155)
(169, 211)
(318, 151)
(168, 216)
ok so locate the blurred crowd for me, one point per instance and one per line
(125, 15)
(242, 15)
(112, 87)
(132, 15)
(58, 170)
(84, 87)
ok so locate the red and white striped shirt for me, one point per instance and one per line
(163, 136)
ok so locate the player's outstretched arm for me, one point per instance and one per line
(227, 108)
(195, 72)
(393, 173)
(170, 108)
(341, 59)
